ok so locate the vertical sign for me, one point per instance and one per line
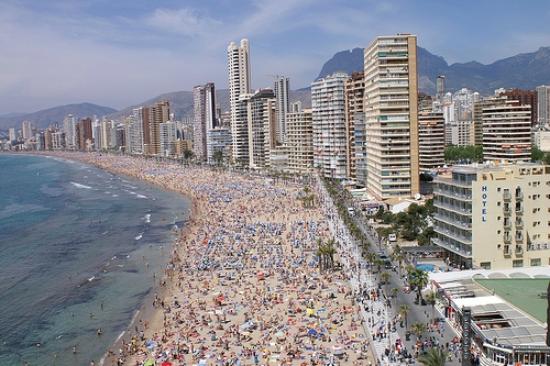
(466, 336)
(484, 203)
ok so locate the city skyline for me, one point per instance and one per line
(143, 49)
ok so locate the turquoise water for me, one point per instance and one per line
(426, 267)
(79, 247)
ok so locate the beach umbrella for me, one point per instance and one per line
(166, 363)
(312, 332)
(149, 362)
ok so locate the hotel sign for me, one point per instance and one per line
(484, 191)
(466, 336)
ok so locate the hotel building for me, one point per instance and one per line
(391, 116)
(494, 217)
(355, 90)
(299, 139)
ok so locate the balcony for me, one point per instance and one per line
(453, 222)
(519, 250)
(519, 237)
(507, 224)
(519, 224)
(507, 238)
(453, 248)
(507, 196)
(519, 209)
(519, 195)
(507, 251)
(507, 211)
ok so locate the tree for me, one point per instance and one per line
(218, 157)
(419, 279)
(425, 237)
(470, 153)
(434, 357)
(404, 312)
(384, 277)
(431, 299)
(394, 292)
(418, 329)
(536, 154)
(187, 155)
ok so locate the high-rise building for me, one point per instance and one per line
(299, 123)
(85, 135)
(105, 134)
(261, 127)
(69, 127)
(26, 128)
(134, 140)
(459, 133)
(477, 127)
(58, 140)
(168, 138)
(239, 132)
(330, 140)
(11, 134)
(490, 216)
(360, 150)
(158, 113)
(440, 87)
(391, 116)
(431, 140)
(238, 65)
(204, 106)
(507, 132)
(543, 105)
(281, 94)
(524, 97)
(355, 88)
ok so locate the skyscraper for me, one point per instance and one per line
(26, 128)
(167, 138)
(431, 140)
(11, 134)
(543, 105)
(281, 94)
(238, 65)
(204, 107)
(69, 127)
(524, 97)
(158, 113)
(440, 87)
(391, 116)
(85, 137)
(329, 125)
(355, 89)
(261, 127)
(299, 139)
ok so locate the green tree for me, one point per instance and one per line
(404, 312)
(188, 155)
(384, 277)
(419, 279)
(431, 298)
(434, 357)
(424, 238)
(418, 329)
(536, 154)
(218, 157)
(470, 153)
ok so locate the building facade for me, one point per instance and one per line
(238, 65)
(282, 87)
(431, 140)
(261, 128)
(219, 139)
(524, 97)
(507, 132)
(391, 116)
(493, 216)
(543, 105)
(330, 140)
(300, 139)
(168, 137)
(355, 90)
(204, 107)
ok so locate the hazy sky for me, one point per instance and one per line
(121, 52)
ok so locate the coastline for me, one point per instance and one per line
(144, 313)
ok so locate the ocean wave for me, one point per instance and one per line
(78, 185)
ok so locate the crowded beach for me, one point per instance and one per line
(244, 285)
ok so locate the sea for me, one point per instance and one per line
(80, 250)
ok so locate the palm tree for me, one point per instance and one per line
(384, 277)
(371, 257)
(187, 155)
(434, 357)
(420, 279)
(330, 250)
(218, 157)
(431, 298)
(404, 312)
(394, 292)
(418, 329)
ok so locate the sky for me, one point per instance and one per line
(121, 52)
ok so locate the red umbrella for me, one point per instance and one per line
(166, 363)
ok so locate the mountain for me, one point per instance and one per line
(525, 71)
(181, 102)
(45, 117)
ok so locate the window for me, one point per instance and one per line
(535, 262)
(498, 203)
(485, 265)
(498, 189)
(517, 263)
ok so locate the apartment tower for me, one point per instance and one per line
(299, 139)
(282, 104)
(355, 88)
(204, 104)
(431, 140)
(391, 116)
(238, 65)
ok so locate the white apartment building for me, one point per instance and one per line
(261, 128)
(238, 65)
(281, 90)
(299, 139)
(168, 137)
(543, 105)
(329, 126)
(391, 116)
(507, 132)
(135, 132)
(204, 107)
(431, 140)
(355, 88)
(219, 139)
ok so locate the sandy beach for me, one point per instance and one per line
(243, 286)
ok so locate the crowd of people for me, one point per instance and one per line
(244, 284)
